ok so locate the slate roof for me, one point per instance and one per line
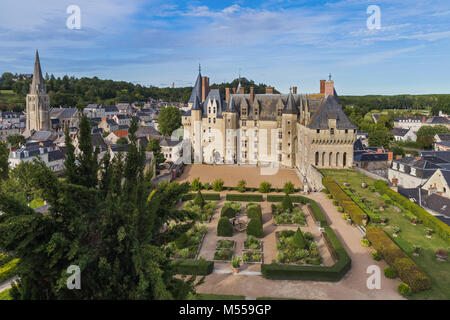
(147, 130)
(438, 120)
(213, 95)
(170, 142)
(444, 143)
(38, 83)
(291, 107)
(399, 132)
(55, 155)
(63, 113)
(197, 90)
(97, 140)
(110, 109)
(196, 104)
(444, 137)
(331, 109)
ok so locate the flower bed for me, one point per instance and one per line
(223, 255)
(252, 243)
(188, 245)
(291, 249)
(225, 244)
(296, 217)
(251, 257)
(203, 214)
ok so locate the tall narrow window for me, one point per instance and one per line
(317, 158)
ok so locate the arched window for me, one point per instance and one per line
(330, 160)
(323, 159)
(337, 159)
(344, 159)
(317, 158)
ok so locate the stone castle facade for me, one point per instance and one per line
(268, 130)
(37, 103)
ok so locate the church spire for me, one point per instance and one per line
(38, 83)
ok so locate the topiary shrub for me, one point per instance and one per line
(181, 241)
(335, 202)
(299, 240)
(340, 209)
(404, 289)
(228, 212)
(198, 200)
(254, 212)
(265, 187)
(255, 228)
(224, 227)
(365, 243)
(390, 273)
(286, 204)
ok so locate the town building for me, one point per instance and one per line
(404, 135)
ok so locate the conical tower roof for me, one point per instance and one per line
(290, 107)
(197, 90)
(196, 104)
(38, 83)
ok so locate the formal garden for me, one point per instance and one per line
(411, 241)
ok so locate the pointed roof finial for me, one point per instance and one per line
(329, 77)
(199, 68)
(38, 83)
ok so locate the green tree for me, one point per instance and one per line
(169, 119)
(431, 131)
(155, 147)
(105, 222)
(286, 203)
(299, 240)
(241, 186)
(288, 188)
(4, 165)
(218, 185)
(122, 141)
(15, 140)
(379, 138)
(265, 187)
(198, 200)
(196, 184)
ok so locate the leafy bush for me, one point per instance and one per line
(225, 244)
(299, 240)
(207, 186)
(254, 212)
(365, 243)
(390, 273)
(223, 254)
(376, 256)
(288, 188)
(265, 187)
(241, 186)
(252, 256)
(252, 243)
(196, 185)
(218, 185)
(245, 197)
(181, 241)
(5, 258)
(199, 267)
(406, 269)
(224, 227)
(404, 289)
(8, 270)
(340, 209)
(228, 212)
(335, 203)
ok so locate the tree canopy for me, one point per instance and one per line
(169, 119)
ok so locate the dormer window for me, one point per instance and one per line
(318, 131)
(332, 131)
(280, 112)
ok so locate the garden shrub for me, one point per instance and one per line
(340, 209)
(5, 258)
(218, 185)
(406, 269)
(181, 241)
(299, 240)
(8, 270)
(254, 212)
(244, 197)
(287, 203)
(288, 188)
(224, 227)
(404, 289)
(196, 185)
(255, 228)
(390, 273)
(228, 212)
(376, 256)
(211, 196)
(442, 229)
(198, 200)
(265, 187)
(207, 186)
(365, 243)
(335, 202)
(241, 186)
(354, 211)
(199, 267)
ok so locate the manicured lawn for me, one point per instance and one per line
(4, 295)
(410, 235)
(205, 296)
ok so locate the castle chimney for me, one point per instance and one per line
(227, 94)
(329, 88)
(242, 90)
(205, 88)
(252, 95)
(294, 90)
(322, 86)
(269, 90)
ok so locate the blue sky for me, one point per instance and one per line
(283, 43)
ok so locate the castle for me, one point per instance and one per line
(282, 130)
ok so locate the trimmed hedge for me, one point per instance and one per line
(8, 270)
(228, 212)
(224, 227)
(244, 197)
(206, 196)
(442, 229)
(193, 267)
(405, 267)
(255, 226)
(279, 198)
(349, 206)
(313, 273)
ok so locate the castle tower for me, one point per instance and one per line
(38, 102)
(289, 130)
(231, 121)
(196, 115)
